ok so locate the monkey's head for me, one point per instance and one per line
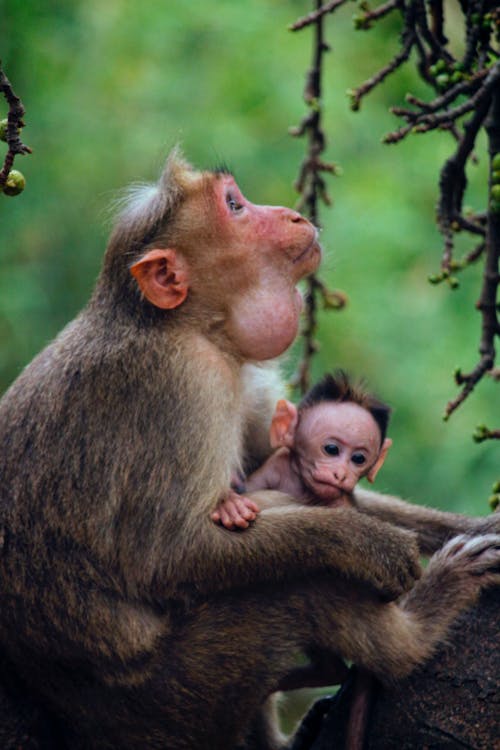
(192, 247)
(336, 436)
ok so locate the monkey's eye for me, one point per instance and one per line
(358, 458)
(331, 449)
(233, 204)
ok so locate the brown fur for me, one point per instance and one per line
(124, 608)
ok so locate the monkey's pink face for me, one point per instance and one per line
(336, 444)
(270, 249)
(279, 235)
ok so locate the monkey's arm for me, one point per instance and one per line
(289, 541)
(433, 527)
(235, 509)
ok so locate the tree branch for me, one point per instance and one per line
(14, 124)
(312, 188)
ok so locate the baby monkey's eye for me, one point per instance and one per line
(331, 449)
(358, 458)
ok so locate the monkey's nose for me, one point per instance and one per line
(297, 218)
(289, 214)
(340, 473)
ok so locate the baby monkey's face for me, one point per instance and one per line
(336, 444)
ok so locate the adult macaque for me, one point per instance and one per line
(124, 606)
(336, 436)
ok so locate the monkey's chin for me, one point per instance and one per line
(311, 258)
(327, 493)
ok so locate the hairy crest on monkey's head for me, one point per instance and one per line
(143, 208)
(142, 214)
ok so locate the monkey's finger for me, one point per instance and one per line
(230, 518)
(251, 504)
(221, 516)
(246, 508)
(239, 520)
(237, 513)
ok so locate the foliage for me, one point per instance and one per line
(109, 87)
(465, 83)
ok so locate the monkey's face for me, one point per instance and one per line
(233, 266)
(259, 255)
(336, 444)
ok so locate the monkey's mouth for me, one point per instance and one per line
(329, 489)
(312, 249)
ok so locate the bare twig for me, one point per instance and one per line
(356, 95)
(453, 180)
(14, 124)
(312, 188)
(317, 15)
(487, 303)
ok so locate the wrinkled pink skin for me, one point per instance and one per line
(282, 247)
(303, 469)
(355, 434)
(261, 253)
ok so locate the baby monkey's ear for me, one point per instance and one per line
(283, 424)
(380, 460)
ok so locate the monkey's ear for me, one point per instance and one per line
(162, 276)
(283, 424)
(380, 460)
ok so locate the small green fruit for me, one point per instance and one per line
(360, 22)
(3, 129)
(354, 103)
(443, 80)
(495, 176)
(494, 502)
(495, 162)
(495, 192)
(15, 183)
(480, 433)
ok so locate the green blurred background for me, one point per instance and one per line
(110, 86)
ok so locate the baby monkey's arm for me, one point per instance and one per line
(235, 510)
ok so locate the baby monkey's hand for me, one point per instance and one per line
(235, 511)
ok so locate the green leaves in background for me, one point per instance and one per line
(110, 87)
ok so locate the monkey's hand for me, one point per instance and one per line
(235, 511)
(476, 558)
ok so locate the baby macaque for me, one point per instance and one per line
(336, 436)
